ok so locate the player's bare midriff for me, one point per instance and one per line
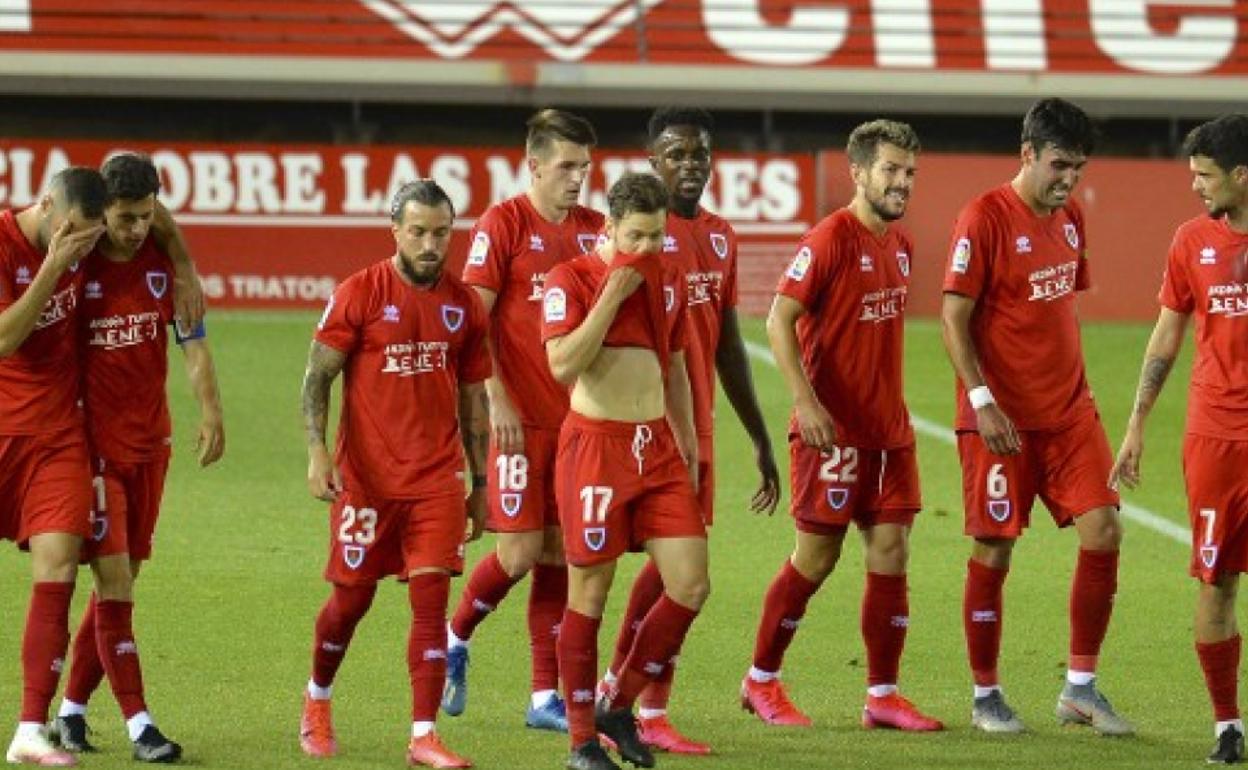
(622, 384)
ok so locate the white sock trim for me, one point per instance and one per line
(29, 729)
(540, 697)
(421, 729)
(881, 690)
(984, 692)
(316, 692)
(452, 640)
(759, 675)
(1221, 727)
(72, 709)
(1080, 678)
(136, 723)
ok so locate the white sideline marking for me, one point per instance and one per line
(1142, 516)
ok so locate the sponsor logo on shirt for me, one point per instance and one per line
(124, 331)
(390, 314)
(703, 287)
(23, 275)
(94, 290)
(537, 286)
(1072, 235)
(1228, 299)
(883, 304)
(587, 241)
(961, 256)
(800, 264)
(1208, 256)
(669, 244)
(157, 283)
(1022, 244)
(407, 359)
(480, 249)
(452, 317)
(903, 262)
(58, 308)
(536, 243)
(1053, 282)
(719, 245)
(555, 305)
(866, 263)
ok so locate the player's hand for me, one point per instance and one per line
(476, 515)
(505, 428)
(622, 282)
(998, 431)
(324, 480)
(210, 442)
(188, 297)
(68, 245)
(1126, 469)
(815, 425)
(767, 496)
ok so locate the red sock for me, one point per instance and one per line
(335, 625)
(578, 663)
(1220, 662)
(783, 608)
(114, 633)
(487, 586)
(647, 589)
(982, 616)
(428, 594)
(656, 694)
(1091, 604)
(44, 645)
(85, 670)
(658, 641)
(548, 596)
(885, 618)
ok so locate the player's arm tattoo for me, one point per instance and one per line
(324, 364)
(474, 422)
(1152, 379)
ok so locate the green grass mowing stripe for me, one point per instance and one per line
(1157, 523)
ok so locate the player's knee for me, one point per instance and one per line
(815, 564)
(691, 592)
(113, 579)
(54, 558)
(994, 553)
(517, 555)
(1102, 533)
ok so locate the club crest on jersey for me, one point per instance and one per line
(23, 275)
(453, 317)
(94, 290)
(555, 305)
(1072, 235)
(837, 497)
(1208, 256)
(903, 262)
(669, 244)
(390, 314)
(511, 503)
(999, 510)
(719, 244)
(961, 255)
(669, 298)
(595, 538)
(99, 526)
(480, 249)
(867, 264)
(1022, 244)
(536, 243)
(353, 555)
(800, 264)
(1208, 555)
(587, 241)
(157, 283)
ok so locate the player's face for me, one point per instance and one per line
(422, 237)
(128, 223)
(1050, 176)
(559, 173)
(638, 233)
(681, 157)
(887, 184)
(1220, 191)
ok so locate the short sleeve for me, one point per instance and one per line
(809, 272)
(563, 306)
(489, 251)
(970, 251)
(1176, 287)
(342, 323)
(8, 287)
(728, 292)
(474, 354)
(1083, 278)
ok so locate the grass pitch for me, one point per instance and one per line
(225, 610)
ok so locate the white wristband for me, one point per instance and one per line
(980, 397)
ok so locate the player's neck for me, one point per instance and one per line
(548, 211)
(112, 253)
(1237, 220)
(864, 212)
(685, 209)
(1019, 185)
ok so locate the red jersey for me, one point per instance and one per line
(852, 336)
(572, 288)
(705, 247)
(408, 351)
(513, 248)
(39, 381)
(1207, 276)
(1023, 270)
(125, 315)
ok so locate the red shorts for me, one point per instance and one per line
(127, 504)
(1216, 472)
(1068, 469)
(706, 478)
(865, 486)
(45, 485)
(621, 484)
(521, 491)
(373, 539)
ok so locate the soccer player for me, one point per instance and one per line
(1026, 422)
(411, 342)
(514, 244)
(126, 310)
(705, 247)
(836, 327)
(45, 482)
(614, 326)
(1207, 277)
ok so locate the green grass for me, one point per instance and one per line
(226, 607)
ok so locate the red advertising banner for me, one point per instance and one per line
(1208, 37)
(279, 226)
